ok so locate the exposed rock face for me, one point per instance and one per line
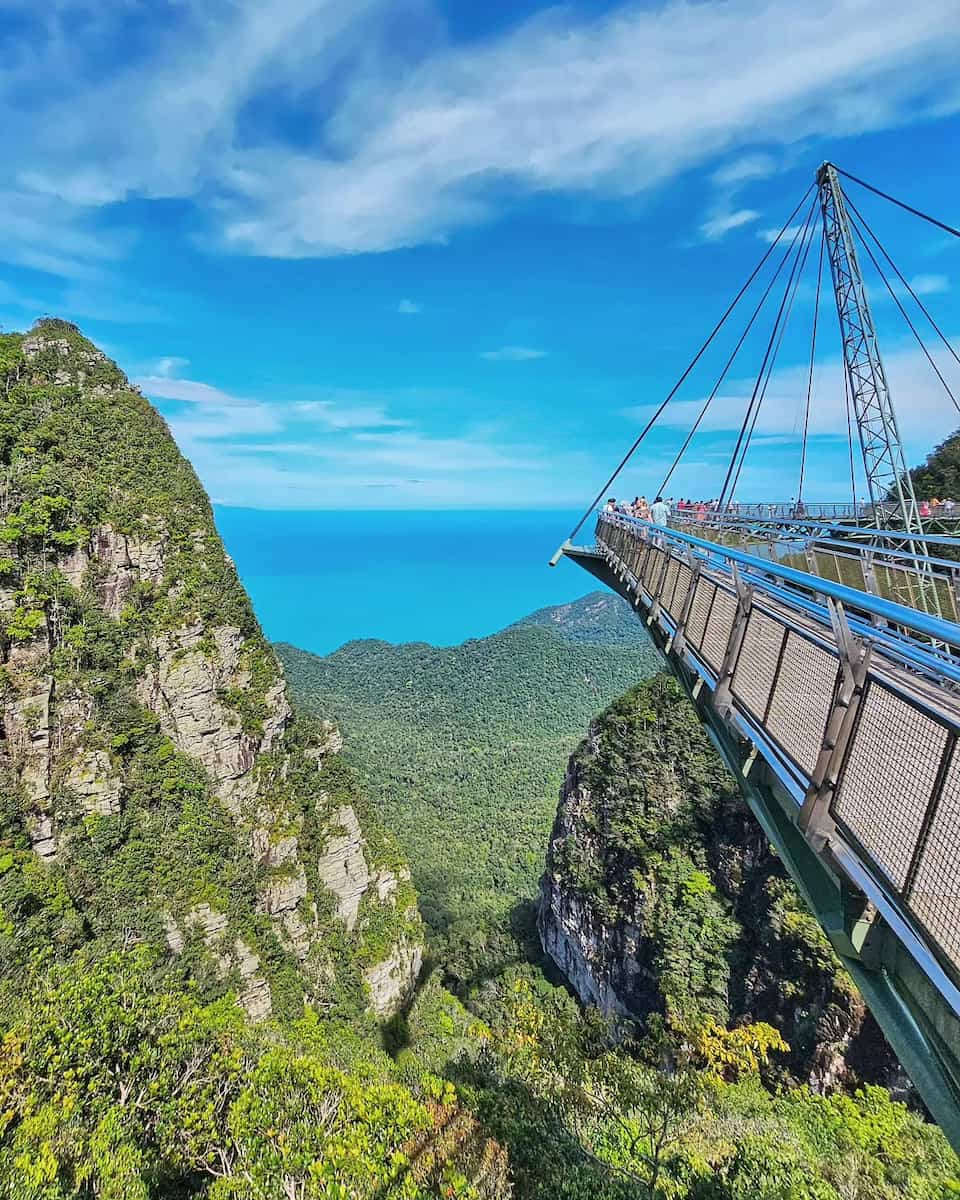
(90, 777)
(229, 955)
(126, 640)
(391, 982)
(194, 667)
(661, 893)
(342, 867)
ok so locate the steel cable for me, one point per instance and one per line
(693, 362)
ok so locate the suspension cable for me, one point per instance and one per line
(693, 362)
(813, 352)
(916, 299)
(766, 357)
(795, 282)
(662, 490)
(900, 203)
(905, 315)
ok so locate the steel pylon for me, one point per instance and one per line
(892, 496)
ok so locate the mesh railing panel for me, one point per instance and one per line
(719, 628)
(934, 894)
(640, 558)
(681, 587)
(697, 621)
(632, 555)
(669, 582)
(757, 662)
(888, 779)
(652, 569)
(802, 699)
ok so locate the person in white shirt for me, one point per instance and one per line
(659, 511)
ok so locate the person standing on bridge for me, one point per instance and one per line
(659, 512)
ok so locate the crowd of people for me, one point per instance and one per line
(659, 511)
(938, 508)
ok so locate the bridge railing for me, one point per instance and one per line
(876, 562)
(829, 509)
(847, 695)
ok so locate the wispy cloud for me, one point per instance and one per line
(718, 226)
(329, 452)
(929, 285)
(171, 365)
(414, 144)
(770, 235)
(925, 411)
(188, 391)
(513, 354)
(409, 308)
(744, 169)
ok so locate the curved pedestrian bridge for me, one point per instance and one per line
(839, 711)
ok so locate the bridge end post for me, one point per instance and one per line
(561, 550)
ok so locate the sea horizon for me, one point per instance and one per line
(321, 578)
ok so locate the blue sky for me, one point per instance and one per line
(437, 253)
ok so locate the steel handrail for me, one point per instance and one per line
(731, 519)
(937, 628)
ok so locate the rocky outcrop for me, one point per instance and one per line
(661, 894)
(128, 650)
(92, 780)
(390, 983)
(193, 668)
(342, 867)
(230, 954)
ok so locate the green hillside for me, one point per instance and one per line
(462, 749)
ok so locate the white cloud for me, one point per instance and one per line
(188, 391)
(925, 412)
(744, 170)
(409, 308)
(172, 364)
(513, 354)
(413, 143)
(770, 235)
(929, 285)
(348, 448)
(346, 413)
(717, 226)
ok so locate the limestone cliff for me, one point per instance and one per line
(155, 787)
(661, 894)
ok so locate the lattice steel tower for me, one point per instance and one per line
(888, 479)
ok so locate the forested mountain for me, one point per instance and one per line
(600, 619)
(461, 751)
(188, 875)
(939, 475)
(663, 895)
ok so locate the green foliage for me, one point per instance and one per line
(112, 1088)
(91, 452)
(461, 751)
(939, 476)
(684, 1117)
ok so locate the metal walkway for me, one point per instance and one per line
(839, 712)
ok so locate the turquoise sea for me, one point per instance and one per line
(319, 579)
